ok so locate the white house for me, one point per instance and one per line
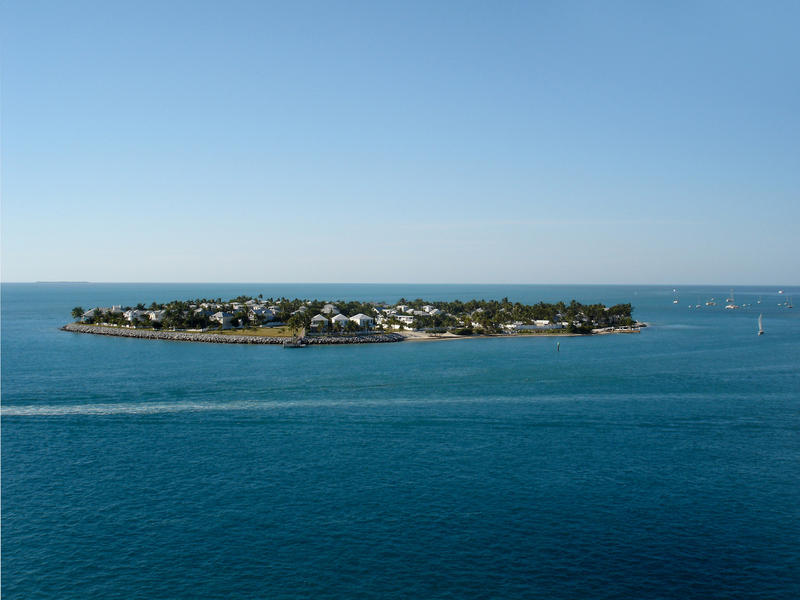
(223, 318)
(363, 320)
(402, 307)
(264, 313)
(428, 308)
(157, 315)
(89, 314)
(330, 309)
(319, 322)
(133, 314)
(340, 320)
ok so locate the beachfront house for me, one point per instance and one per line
(340, 321)
(223, 318)
(134, 315)
(157, 315)
(319, 323)
(89, 314)
(363, 321)
(264, 313)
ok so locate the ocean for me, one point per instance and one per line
(664, 464)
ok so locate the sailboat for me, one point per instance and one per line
(760, 326)
(730, 302)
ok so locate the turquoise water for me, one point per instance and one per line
(657, 465)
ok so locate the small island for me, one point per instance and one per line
(259, 320)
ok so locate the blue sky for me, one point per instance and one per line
(532, 142)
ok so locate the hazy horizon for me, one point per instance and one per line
(453, 283)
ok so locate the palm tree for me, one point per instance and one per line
(77, 312)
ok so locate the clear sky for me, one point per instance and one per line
(531, 142)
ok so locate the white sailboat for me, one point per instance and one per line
(760, 326)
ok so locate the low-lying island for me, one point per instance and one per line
(249, 320)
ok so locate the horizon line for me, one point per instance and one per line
(66, 282)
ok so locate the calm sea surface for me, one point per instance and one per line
(659, 465)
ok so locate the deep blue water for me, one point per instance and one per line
(657, 465)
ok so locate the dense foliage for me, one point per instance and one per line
(458, 316)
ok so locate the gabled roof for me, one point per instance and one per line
(360, 317)
(318, 318)
(340, 317)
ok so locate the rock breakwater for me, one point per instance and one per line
(215, 338)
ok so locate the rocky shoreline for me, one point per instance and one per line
(213, 338)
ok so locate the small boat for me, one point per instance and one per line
(789, 303)
(675, 301)
(711, 303)
(780, 291)
(731, 299)
(760, 327)
(731, 307)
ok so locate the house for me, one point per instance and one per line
(157, 315)
(428, 308)
(89, 314)
(223, 318)
(134, 315)
(340, 320)
(330, 309)
(363, 321)
(435, 312)
(264, 313)
(319, 322)
(402, 307)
